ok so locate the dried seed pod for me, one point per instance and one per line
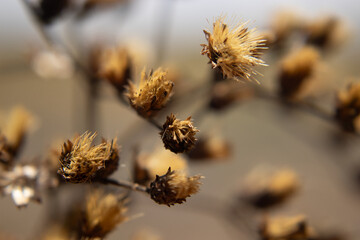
(297, 70)
(147, 166)
(348, 108)
(326, 32)
(210, 148)
(264, 189)
(235, 51)
(153, 93)
(286, 228)
(103, 212)
(114, 65)
(82, 162)
(173, 187)
(178, 136)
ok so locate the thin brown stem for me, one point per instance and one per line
(128, 185)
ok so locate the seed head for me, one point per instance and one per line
(348, 108)
(297, 70)
(114, 66)
(178, 136)
(264, 189)
(153, 93)
(102, 213)
(173, 187)
(82, 162)
(235, 51)
(286, 228)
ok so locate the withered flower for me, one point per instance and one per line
(103, 212)
(114, 65)
(147, 166)
(153, 93)
(178, 136)
(21, 183)
(173, 187)
(82, 162)
(297, 71)
(286, 228)
(348, 108)
(264, 189)
(234, 50)
(326, 33)
(211, 147)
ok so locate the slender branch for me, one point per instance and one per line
(127, 185)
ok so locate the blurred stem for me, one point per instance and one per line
(127, 185)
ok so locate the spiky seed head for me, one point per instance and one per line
(173, 187)
(81, 161)
(114, 65)
(297, 70)
(152, 94)
(178, 135)
(235, 51)
(103, 212)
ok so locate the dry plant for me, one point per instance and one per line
(234, 52)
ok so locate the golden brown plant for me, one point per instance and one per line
(178, 136)
(264, 189)
(286, 228)
(211, 147)
(146, 167)
(235, 51)
(82, 162)
(114, 65)
(297, 72)
(173, 187)
(348, 108)
(103, 212)
(153, 93)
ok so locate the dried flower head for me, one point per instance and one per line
(173, 187)
(103, 212)
(210, 148)
(235, 51)
(146, 167)
(348, 108)
(286, 228)
(326, 32)
(153, 93)
(114, 65)
(82, 162)
(264, 189)
(178, 136)
(297, 70)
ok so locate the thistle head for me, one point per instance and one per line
(173, 187)
(152, 94)
(235, 51)
(178, 135)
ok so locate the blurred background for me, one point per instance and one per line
(260, 132)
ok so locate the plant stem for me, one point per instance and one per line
(127, 185)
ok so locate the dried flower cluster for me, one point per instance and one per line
(235, 51)
(82, 162)
(178, 136)
(264, 189)
(286, 228)
(114, 66)
(103, 212)
(153, 93)
(173, 187)
(297, 70)
(348, 108)
(211, 147)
